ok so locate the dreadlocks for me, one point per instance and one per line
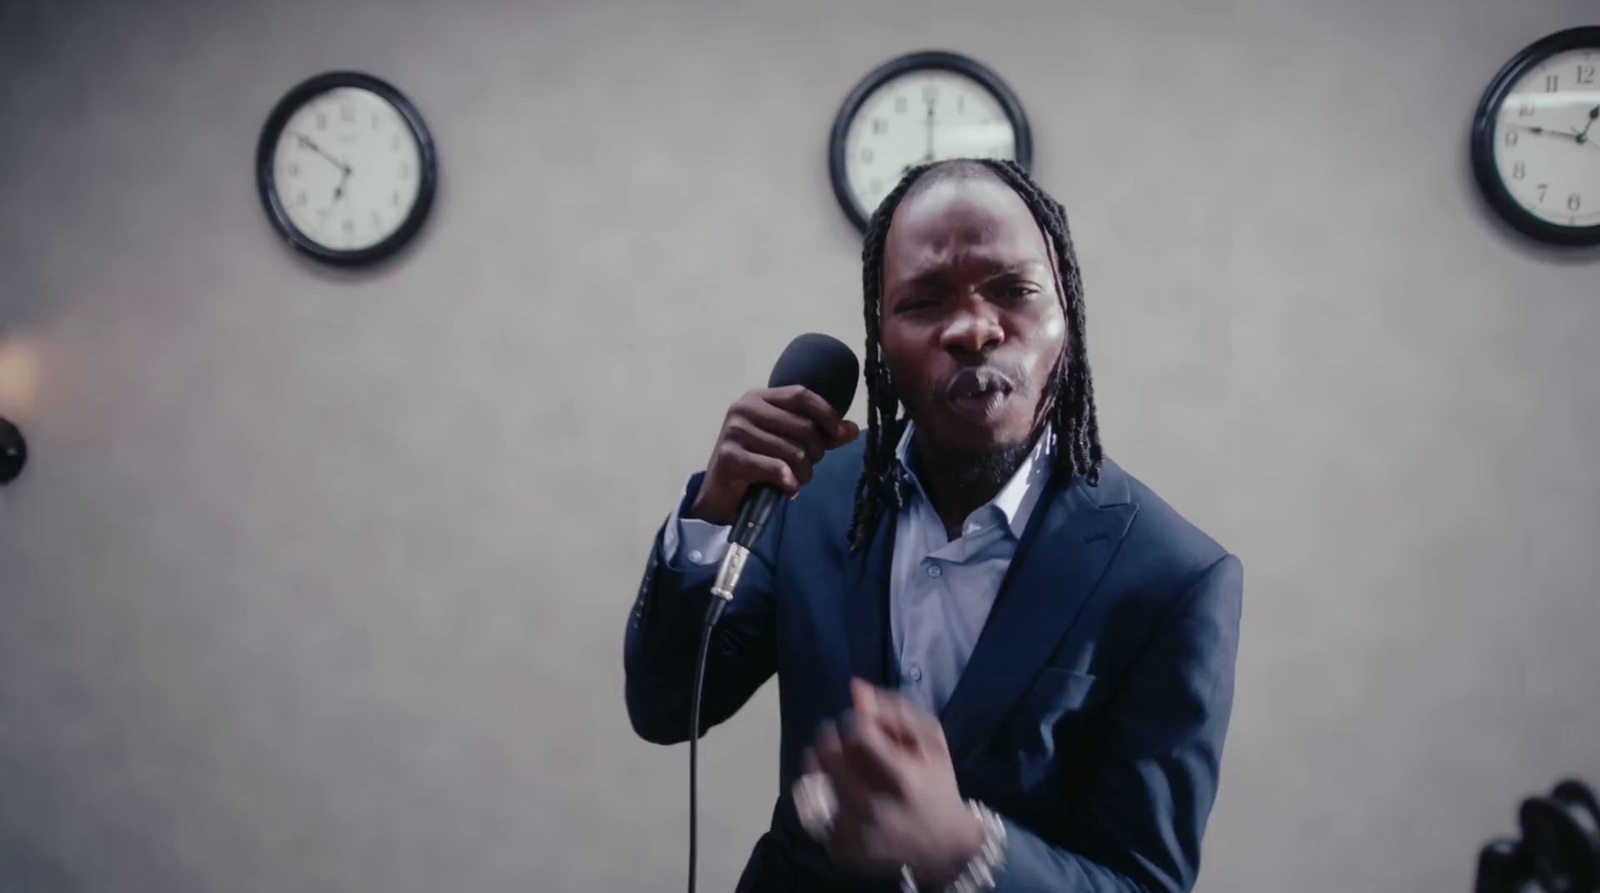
(1070, 391)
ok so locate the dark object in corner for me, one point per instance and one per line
(1559, 849)
(13, 452)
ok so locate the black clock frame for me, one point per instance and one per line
(427, 168)
(1483, 143)
(927, 59)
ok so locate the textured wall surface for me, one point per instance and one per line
(317, 582)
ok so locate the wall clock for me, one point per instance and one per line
(346, 168)
(921, 107)
(1536, 139)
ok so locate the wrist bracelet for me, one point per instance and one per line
(981, 870)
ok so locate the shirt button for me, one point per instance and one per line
(695, 555)
(935, 571)
(915, 673)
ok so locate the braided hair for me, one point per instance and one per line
(1069, 392)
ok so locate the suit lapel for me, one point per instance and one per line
(866, 611)
(1058, 564)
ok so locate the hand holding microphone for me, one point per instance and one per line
(769, 442)
(770, 436)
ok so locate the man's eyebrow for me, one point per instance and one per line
(935, 275)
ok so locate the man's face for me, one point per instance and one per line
(972, 320)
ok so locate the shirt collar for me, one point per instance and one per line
(1016, 500)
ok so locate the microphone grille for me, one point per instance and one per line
(820, 363)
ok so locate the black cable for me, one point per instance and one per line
(713, 613)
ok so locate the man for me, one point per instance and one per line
(1011, 662)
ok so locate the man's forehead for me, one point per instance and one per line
(965, 219)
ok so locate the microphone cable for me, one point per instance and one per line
(713, 613)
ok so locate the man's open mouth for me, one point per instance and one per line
(977, 394)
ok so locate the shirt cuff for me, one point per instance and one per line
(697, 542)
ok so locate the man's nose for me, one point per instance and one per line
(972, 329)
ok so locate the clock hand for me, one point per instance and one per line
(1545, 131)
(929, 156)
(1593, 114)
(338, 191)
(1579, 136)
(306, 141)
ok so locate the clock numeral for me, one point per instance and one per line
(1524, 109)
(866, 154)
(347, 113)
(376, 222)
(900, 104)
(374, 120)
(294, 169)
(395, 198)
(300, 198)
(322, 120)
(1518, 171)
(1543, 188)
(405, 171)
(1551, 82)
(1574, 201)
(1585, 74)
(349, 226)
(394, 144)
(1511, 138)
(961, 103)
(880, 126)
(930, 93)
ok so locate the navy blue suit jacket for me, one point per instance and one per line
(1092, 712)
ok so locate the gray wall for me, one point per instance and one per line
(318, 582)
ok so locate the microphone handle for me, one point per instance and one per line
(754, 513)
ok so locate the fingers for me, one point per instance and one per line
(852, 781)
(799, 437)
(860, 757)
(747, 468)
(791, 425)
(848, 431)
(815, 803)
(830, 756)
(863, 697)
(879, 760)
(916, 729)
(801, 401)
(765, 443)
(770, 436)
(900, 720)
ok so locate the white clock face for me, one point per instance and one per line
(1547, 139)
(346, 169)
(921, 116)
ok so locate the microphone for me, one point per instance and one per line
(821, 364)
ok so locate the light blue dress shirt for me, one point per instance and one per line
(940, 590)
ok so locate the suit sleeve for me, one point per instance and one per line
(663, 637)
(690, 539)
(1152, 777)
